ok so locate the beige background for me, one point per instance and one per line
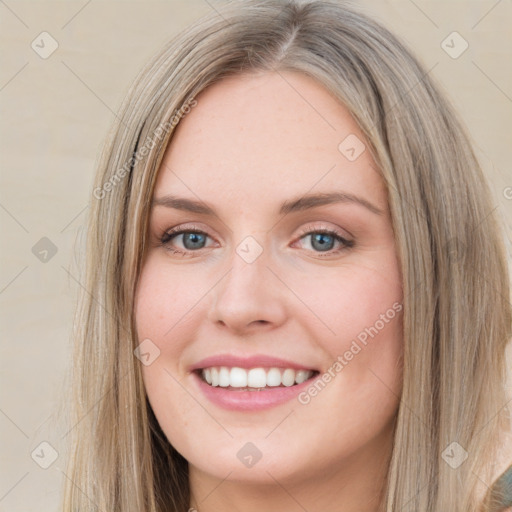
(55, 113)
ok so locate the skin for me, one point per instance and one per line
(252, 142)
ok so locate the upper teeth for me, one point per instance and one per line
(254, 378)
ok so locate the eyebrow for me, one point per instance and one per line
(302, 203)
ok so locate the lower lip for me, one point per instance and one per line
(250, 400)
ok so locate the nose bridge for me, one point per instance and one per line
(248, 271)
(248, 294)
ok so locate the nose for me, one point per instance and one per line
(249, 298)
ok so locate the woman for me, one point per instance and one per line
(296, 287)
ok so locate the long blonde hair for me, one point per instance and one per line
(457, 317)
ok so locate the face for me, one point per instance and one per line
(270, 294)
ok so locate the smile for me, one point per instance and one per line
(245, 383)
(253, 379)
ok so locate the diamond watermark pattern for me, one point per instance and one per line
(147, 352)
(44, 250)
(44, 45)
(351, 147)
(454, 45)
(249, 249)
(249, 455)
(454, 455)
(44, 455)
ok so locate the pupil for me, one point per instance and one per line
(323, 245)
(196, 240)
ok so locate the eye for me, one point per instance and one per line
(192, 240)
(324, 240)
(321, 241)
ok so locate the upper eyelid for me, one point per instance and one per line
(316, 225)
(303, 232)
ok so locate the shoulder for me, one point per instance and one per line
(501, 487)
(501, 490)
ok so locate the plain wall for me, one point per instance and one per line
(55, 114)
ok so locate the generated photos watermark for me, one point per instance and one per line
(143, 150)
(344, 359)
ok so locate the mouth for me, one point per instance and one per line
(253, 379)
(246, 383)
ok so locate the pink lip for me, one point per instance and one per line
(256, 361)
(236, 400)
(249, 400)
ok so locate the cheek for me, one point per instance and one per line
(354, 302)
(164, 305)
(162, 320)
(164, 312)
(335, 310)
(360, 313)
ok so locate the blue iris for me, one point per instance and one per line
(325, 241)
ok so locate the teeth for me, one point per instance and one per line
(254, 378)
(224, 378)
(238, 378)
(274, 377)
(301, 376)
(288, 377)
(215, 376)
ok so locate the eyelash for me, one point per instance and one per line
(172, 233)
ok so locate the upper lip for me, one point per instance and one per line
(254, 361)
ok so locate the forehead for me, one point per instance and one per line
(260, 135)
